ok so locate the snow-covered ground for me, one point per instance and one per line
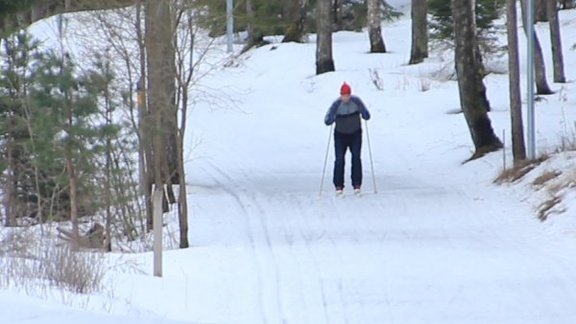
(431, 240)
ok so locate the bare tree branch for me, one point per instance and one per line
(12, 20)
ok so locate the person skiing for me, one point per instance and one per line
(346, 112)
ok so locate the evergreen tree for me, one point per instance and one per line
(442, 22)
(19, 54)
(69, 106)
(53, 117)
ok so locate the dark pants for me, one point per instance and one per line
(342, 142)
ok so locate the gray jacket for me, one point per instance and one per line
(347, 115)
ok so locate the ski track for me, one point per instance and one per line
(226, 184)
(408, 254)
(283, 232)
(437, 244)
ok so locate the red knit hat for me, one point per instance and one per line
(345, 89)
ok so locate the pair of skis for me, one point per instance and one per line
(340, 193)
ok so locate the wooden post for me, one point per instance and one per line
(157, 206)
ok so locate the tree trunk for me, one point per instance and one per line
(540, 14)
(336, 16)
(71, 171)
(518, 145)
(374, 27)
(255, 35)
(73, 189)
(556, 41)
(11, 184)
(161, 92)
(324, 60)
(542, 87)
(469, 79)
(108, 181)
(185, 80)
(144, 122)
(419, 49)
(159, 44)
(250, 25)
(182, 195)
(295, 32)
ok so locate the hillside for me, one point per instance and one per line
(431, 240)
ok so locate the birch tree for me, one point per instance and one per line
(374, 27)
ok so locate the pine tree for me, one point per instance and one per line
(14, 82)
(442, 22)
(55, 123)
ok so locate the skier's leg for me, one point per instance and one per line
(339, 162)
(355, 149)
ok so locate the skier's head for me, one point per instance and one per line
(345, 89)
(345, 92)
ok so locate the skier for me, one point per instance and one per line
(346, 112)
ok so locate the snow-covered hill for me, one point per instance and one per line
(432, 240)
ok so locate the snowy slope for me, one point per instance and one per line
(434, 241)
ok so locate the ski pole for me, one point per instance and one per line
(325, 159)
(371, 160)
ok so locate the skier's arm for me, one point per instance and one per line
(363, 110)
(331, 114)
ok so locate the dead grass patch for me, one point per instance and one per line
(546, 177)
(568, 140)
(545, 209)
(557, 184)
(519, 170)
